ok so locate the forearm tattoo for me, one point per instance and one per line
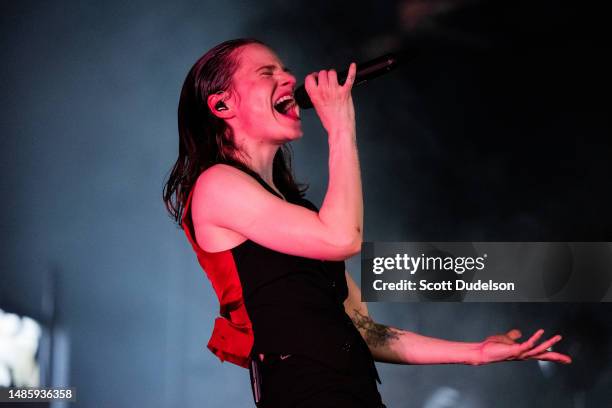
(375, 334)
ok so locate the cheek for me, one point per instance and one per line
(254, 107)
(254, 113)
(255, 93)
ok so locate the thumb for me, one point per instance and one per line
(514, 334)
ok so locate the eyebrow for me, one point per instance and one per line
(272, 68)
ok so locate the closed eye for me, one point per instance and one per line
(269, 70)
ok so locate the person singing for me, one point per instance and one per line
(289, 311)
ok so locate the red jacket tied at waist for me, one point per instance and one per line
(232, 337)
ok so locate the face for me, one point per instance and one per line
(262, 97)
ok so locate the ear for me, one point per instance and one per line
(220, 105)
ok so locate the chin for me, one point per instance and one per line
(298, 135)
(294, 135)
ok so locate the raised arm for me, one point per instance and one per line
(343, 203)
(225, 197)
(393, 345)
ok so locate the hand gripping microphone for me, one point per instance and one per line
(365, 71)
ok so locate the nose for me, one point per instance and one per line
(288, 79)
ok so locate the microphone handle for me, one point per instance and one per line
(365, 71)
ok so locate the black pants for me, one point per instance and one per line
(296, 381)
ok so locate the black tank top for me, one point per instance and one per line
(296, 304)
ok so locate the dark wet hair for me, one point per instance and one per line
(205, 139)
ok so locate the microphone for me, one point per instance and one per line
(365, 71)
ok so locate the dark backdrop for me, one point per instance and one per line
(494, 128)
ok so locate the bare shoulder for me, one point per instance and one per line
(215, 189)
(212, 186)
(219, 176)
(222, 191)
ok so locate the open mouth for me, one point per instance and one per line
(286, 105)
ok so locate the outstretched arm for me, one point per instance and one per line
(392, 345)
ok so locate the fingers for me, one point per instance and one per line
(350, 76)
(552, 356)
(322, 79)
(541, 348)
(329, 78)
(332, 77)
(532, 341)
(310, 83)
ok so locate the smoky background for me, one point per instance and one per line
(495, 127)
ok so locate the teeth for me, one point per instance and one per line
(283, 99)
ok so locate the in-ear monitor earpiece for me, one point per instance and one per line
(220, 106)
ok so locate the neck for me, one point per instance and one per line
(259, 156)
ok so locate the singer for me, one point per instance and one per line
(289, 312)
